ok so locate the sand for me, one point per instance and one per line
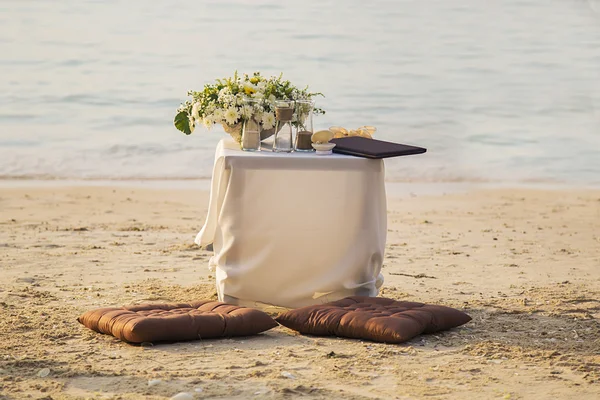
(525, 264)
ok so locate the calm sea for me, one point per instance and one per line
(498, 90)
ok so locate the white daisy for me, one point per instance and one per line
(218, 115)
(231, 115)
(268, 120)
(207, 122)
(261, 86)
(247, 111)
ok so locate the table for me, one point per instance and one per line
(294, 229)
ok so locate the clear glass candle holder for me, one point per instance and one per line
(304, 125)
(251, 135)
(284, 113)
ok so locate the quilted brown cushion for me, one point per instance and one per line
(372, 318)
(177, 322)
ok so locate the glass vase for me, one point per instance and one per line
(251, 127)
(284, 113)
(251, 135)
(304, 125)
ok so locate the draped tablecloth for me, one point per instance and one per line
(294, 229)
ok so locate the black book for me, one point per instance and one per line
(372, 148)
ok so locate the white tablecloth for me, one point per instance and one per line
(295, 229)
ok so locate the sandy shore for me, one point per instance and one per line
(525, 264)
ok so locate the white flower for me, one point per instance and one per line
(195, 113)
(247, 111)
(225, 96)
(268, 120)
(209, 109)
(229, 100)
(258, 95)
(261, 86)
(231, 115)
(208, 122)
(272, 99)
(218, 115)
(239, 100)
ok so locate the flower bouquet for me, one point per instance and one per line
(225, 102)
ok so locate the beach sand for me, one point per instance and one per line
(525, 264)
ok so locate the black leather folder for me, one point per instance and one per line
(372, 148)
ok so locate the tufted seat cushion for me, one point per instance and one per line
(177, 322)
(372, 318)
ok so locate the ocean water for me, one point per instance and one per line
(498, 91)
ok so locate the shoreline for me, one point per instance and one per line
(394, 189)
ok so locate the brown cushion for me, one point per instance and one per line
(372, 318)
(176, 322)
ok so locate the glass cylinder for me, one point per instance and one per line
(251, 135)
(304, 125)
(250, 126)
(284, 113)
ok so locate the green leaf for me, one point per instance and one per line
(182, 122)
